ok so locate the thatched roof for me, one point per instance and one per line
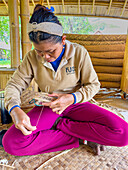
(100, 8)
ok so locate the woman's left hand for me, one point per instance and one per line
(61, 103)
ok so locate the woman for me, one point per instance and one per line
(66, 70)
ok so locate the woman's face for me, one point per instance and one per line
(49, 50)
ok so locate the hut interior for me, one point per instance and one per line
(109, 55)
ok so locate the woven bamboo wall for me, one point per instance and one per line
(107, 54)
(5, 75)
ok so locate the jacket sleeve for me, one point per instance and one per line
(90, 84)
(18, 82)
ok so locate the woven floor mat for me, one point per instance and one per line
(24, 162)
(82, 158)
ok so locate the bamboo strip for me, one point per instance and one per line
(109, 7)
(109, 77)
(98, 42)
(122, 12)
(81, 37)
(110, 84)
(103, 48)
(108, 69)
(93, 5)
(106, 62)
(113, 54)
(105, 95)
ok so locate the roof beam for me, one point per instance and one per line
(122, 12)
(48, 4)
(78, 6)
(33, 2)
(93, 5)
(63, 6)
(41, 2)
(5, 4)
(109, 7)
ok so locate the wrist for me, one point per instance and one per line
(74, 97)
(14, 108)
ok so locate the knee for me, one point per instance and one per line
(8, 144)
(12, 141)
(124, 137)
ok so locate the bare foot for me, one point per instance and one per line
(97, 148)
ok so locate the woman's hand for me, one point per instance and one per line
(61, 103)
(22, 121)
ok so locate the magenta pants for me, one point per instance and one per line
(85, 121)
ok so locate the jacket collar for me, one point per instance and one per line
(69, 53)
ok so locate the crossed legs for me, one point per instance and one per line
(86, 121)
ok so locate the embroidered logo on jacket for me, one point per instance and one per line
(70, 70)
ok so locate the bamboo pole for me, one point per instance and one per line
(109, 7)
(122, 12)
(124, 79)
(24, 13)
(93, 5)
(48, 4)
(14, 33)
(78, 6)
(63, 6)
(32, 2)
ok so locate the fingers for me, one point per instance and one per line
(46, 104)
(54, 95)
(29, 127)
(26, 128)
(25, 131)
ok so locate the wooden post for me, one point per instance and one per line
(14, 32)
(124, 79)
(25, 14)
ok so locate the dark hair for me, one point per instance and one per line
(42, 14)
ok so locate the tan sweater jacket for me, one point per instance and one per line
(75, 74)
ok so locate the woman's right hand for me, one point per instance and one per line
(22, 121)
